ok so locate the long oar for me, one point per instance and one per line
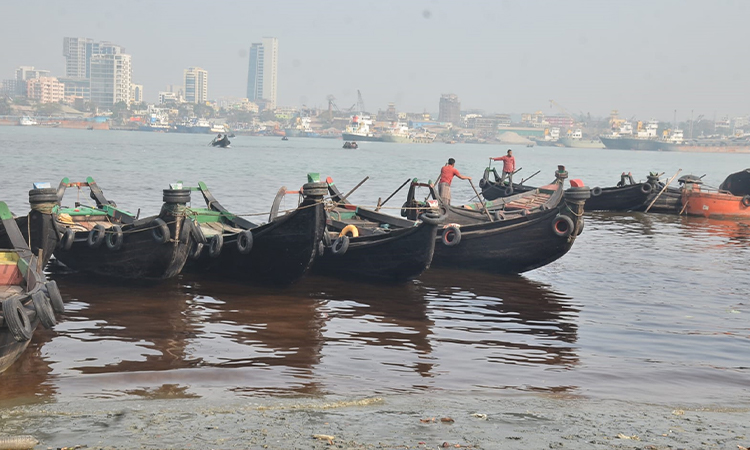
(354, 189)
(380, 205)
(484, 206)
(662, 190)
(527, 179)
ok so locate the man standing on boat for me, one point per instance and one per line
(446, 176)
(509, 166)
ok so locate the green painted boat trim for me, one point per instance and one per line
(313, 177)
(23, 266)
(5, 212)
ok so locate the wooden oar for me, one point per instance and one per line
(380, 205)
(662, 190)
(484, 207)
(354, 189)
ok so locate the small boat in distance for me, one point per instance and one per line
(352, 145)
(27, 121)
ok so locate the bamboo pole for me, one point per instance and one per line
(484, 207)
(354, 189)
(662, 190)
(394, 193)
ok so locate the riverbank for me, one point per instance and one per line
(394, 422)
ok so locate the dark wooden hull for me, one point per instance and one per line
(10, 348)
(283, 250)
(29, 284)
(669, 202)
(516, 245)
(398, 256)
(491, 191)
(40, 232)
(625, 198)
(140, 257)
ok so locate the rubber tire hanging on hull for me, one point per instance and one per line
(54, 296)
(562, 226)
(16, 319)
(451, 235)
(160, 232)
(43, 309)
(114, 238)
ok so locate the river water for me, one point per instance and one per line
(647, 313)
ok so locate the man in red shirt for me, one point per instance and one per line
(509, 166)
(446, 176)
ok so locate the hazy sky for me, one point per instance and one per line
(644, 58)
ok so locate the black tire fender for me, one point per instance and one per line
(67, 238)
(451, 235)
(16, 319)
(96, 236)
(215, 244)
(160, 231)
(746, 201)
(43, 309)
(114, 238)
(431, 218)
(646, 188)
(54, 296)
(562, 226)
(340, 245)
(508, 191)
(595, 192)
(245, 242)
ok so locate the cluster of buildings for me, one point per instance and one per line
(101, 74)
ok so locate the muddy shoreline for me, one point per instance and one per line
(394, 422)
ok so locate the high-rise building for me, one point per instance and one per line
(77, 53)
(111, 75)
(97, 71)
(262, 72)
(450, 109)
(196, 85)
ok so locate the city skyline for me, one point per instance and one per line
(512, 57)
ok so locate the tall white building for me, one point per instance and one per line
(97, 71)
(262, 72)
(196, 85)
(77, 53)
(111, 75)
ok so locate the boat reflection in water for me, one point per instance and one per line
(203, 338)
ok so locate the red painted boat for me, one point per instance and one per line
(731, 200)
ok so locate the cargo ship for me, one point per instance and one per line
(732, 144)
(644, 139)
(576, 140)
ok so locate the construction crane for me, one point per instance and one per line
(360, 103)
(563, 110)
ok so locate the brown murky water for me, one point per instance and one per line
(641, 330)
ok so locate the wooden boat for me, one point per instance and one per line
(105, 240)
(730, 200)
(626, 196)
(224, 142)
(493, 189)
(669, 200)
(510, 235)
(369, 245)
(279, 252)
(27, 297)
(38, 226)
